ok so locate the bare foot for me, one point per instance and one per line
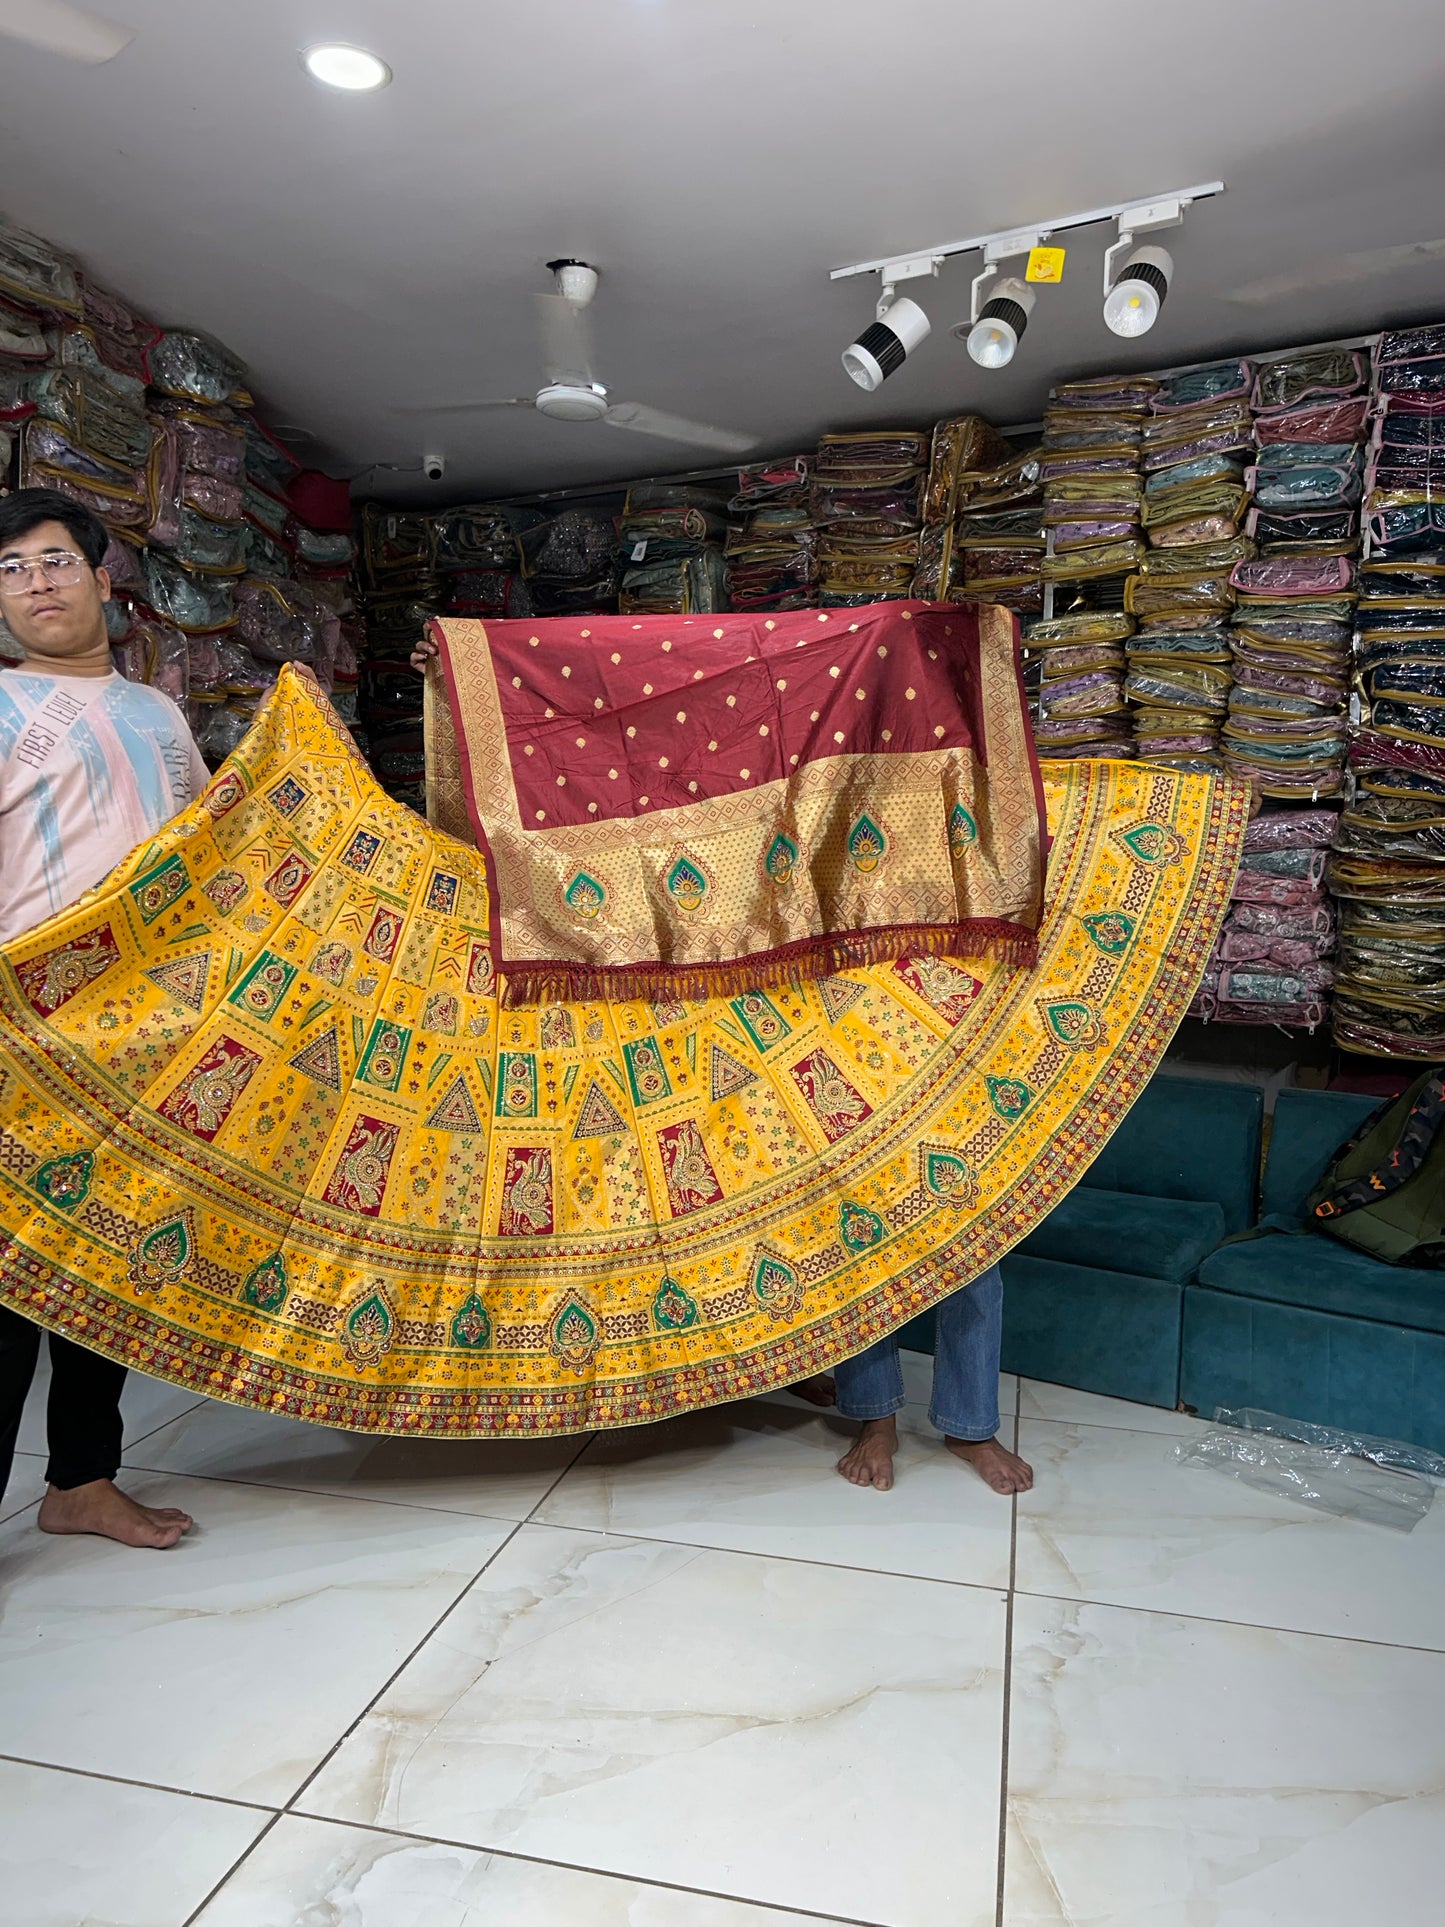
(817, 1390)
(870, 1461)
(102, 1508)
(1005, 1471)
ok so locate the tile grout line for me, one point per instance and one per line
(387, 1684)
(335, 1747)
(332, 1492)
(1008, 1663)
(231, 1871)
(202, 1398)
(331, 1752)
(1242, 1625)
(579, 1866)
(751, 1552)
(148, 1786)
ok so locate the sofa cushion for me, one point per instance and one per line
(1354, 1372)
(1124, 1231)
(1189, 1137)
(1099, 1330)
(1308, 1128)
(1306, 1268)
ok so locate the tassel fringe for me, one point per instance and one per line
(988, 939)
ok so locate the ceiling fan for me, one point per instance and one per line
(571, 391)
(58, 28)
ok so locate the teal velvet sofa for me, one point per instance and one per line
(1306, 1326)
(1094, 1296)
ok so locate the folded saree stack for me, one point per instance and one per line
(226, 559)
(400, 589)
(772, 547)
(672, 550)
(569, 558)
(965, 448)
(1389, 866)
(1271, 964)
(1194, 445)
(1292, 625)
(1089, 463)
(866, 496)
(1081, 706)
(1092, 489)
(478, 562)
(271, 1132)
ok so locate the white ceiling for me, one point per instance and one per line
(715, 160)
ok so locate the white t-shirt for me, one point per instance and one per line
(89, 767)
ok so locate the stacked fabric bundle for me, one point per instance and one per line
(1286, 727)
(401, 588)
(569, 559)
(772, 556)
(150, 429)
(672, 550)
(198, 555)
(82, 423)
(1388, 872)
(1291, 627)
(1389, 866)
(961, 448)
(1081, 707)
(1194, 445)
(867, 499)
(998, 534)
(479, 563)
(1090, 468)
(1271, 964)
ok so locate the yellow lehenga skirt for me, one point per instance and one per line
(266, 1132)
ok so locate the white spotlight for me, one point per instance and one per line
(1001, 322)
(884, 346)
(350, 69)
(1131, 307)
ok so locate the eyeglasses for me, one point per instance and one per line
(62, 568)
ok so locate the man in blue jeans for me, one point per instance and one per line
(964, 1405)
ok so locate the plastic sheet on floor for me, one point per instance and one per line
(1380, 1482)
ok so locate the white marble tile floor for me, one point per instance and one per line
(688, 1677)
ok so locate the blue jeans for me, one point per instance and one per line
(965, 1366)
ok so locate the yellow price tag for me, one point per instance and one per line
(1045, 264)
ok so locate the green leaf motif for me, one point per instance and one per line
(65, 1182)
(858, 1227)
(267, 1287)
(472, 1328)
(672, 1309)
(1009, 1097)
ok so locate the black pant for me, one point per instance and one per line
(83, 1416)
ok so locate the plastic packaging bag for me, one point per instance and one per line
(1292, 575)
(1321, 373)
(31, 272)
(1088, 625)
(1375, 1481)
(194, 368)
(1222, 381)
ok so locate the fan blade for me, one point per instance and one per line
(58, 28)
(639, 419)
(459, 407)
(566, 339)
(1339, 272)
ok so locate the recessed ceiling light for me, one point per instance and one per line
(352, 69)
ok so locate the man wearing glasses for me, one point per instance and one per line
(90, 765)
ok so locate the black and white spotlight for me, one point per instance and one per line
(1131, 307)
(993, 338)
(883, 347)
